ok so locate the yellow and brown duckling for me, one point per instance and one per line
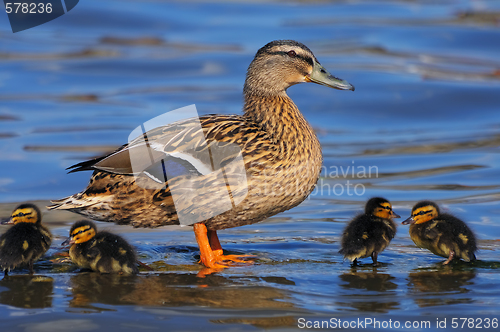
(441, 233)
(368, 234)
(26, 241)
(102, 251)
(279, 150)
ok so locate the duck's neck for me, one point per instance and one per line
(281, 119)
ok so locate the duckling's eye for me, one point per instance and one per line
(292, 54)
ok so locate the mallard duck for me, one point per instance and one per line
(26, 241)
(102, 251)
(441, 233)
(279, 150)
(369, 233)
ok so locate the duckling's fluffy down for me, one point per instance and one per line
(443, 234)
(106, 253)
(366, 234)
(22, 243)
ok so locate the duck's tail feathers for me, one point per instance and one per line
(88, 165)
(75, 202)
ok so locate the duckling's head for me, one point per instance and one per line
(81, 232)
(422, 212)
(283, 63)
(27, 213)
(380, 207)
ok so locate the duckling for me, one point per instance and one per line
(369, 233)
(26, 241)
(103, 252)
(441, 233)
(279, 151)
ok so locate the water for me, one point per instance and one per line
(423, 123)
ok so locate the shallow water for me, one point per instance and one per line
(423, 123)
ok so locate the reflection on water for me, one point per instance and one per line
(429, 288)
(97, 292)
(89, 289)
(378, 282)
(369, 291)
(214, 291)
(176, 290)
(25, 291)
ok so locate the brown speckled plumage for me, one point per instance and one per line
(281, 153)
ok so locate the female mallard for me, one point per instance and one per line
(280, 152)
(103, 252)
(26, 241)
(369, 233)
(441, 233)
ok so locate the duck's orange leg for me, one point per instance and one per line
(211, 254)
(213, 239)
(207, 256)
(217, 250)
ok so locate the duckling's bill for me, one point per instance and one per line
(321, 76)
(69, 241)
(408, 221)
(7, 221)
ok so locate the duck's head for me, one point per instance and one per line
(27, 213)
(380, 207)
(81, 232)
(422, 212)
(283, 63)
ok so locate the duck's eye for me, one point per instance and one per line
(292, 54)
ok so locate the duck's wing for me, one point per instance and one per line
(434, 230)
(198, 163)
(181, 148)
(92, 254)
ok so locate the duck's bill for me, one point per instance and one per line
(408, 221)
(7, 221)
(395, 215)
(69, 241)
(321, 76)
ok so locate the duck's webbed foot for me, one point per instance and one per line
(211, 254)
(218, 252)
